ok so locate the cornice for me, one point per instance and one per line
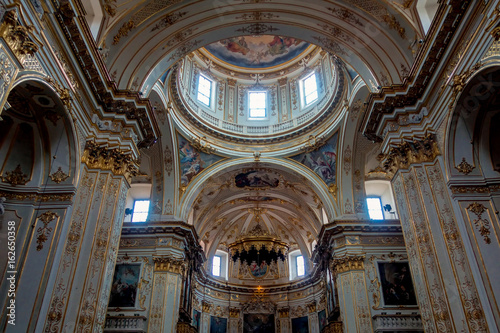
(136, 108)
(424, 67)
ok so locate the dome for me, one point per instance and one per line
(259, 90)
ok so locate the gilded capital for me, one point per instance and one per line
(17, 36)
(116, 160)
(206, 306)
(418, 150)
(234, 312)
(348, 263)
(284, 312)
(169, 265)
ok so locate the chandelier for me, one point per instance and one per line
(258, 246)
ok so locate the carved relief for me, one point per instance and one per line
(15, 177)
(44, 232)
(58, 176)
(169, 265)
(348, 263)
(409, 152)
(17, 36)
(464, 167)
(481, 224)
(116, 160)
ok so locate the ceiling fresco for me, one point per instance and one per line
(263, 51)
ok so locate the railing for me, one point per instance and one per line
(399, 322)
(185, 328)
(133, 324)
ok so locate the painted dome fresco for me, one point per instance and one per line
(259, 52)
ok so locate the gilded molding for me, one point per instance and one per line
(475, 189)
(311, 307)
(460, 81)
(349, 263)
(202, 144)
(284, 312)
(44, 232)
(15, 177)
(17, 36)
(206, 306)
(495, 33)
(116, 160)
(169, 265)
(234, 312)
(464, 167)
(407, 153)
(481, 224)
(123, 31)
(58, 176)
(313, 143)
(36, 196)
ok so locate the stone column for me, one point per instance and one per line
(167, 287)
(284, 320)
(446, 291)
(352, 293)
(77, 296)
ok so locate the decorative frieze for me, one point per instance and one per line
(401, 323)
(411, 152)
(348, 263)
(169, 265)
(116, 160)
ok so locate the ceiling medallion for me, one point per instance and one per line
(258, 247)
(15, 177)
(464, 167)
(58, 176)
(257, 29)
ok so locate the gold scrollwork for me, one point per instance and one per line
(116, 160)
(234, 312)
(15, 177)
(464, 167)
(348, 263)
(169, 265)
(284, 312)
(44, 232)
(17, 36)
(58, 176)
(417, 150)
(480, 223)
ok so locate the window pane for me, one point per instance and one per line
(204, 90)
(375, 208)
(310, 89)
(216, 266)
(300, 266)
(257, 104)
(141, 210)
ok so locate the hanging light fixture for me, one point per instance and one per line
(258, 246)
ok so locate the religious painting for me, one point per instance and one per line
(196, 319)
(397, 286)
(192, 161)
(218, 325)
(322, 319)
(323, 161)
(124, 287)
(256, 178)
(258, 271)
(300, 325)
(258, 323)
(261, 51)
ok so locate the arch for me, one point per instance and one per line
(373, 49)
(320, 188)
(469, 135)
(34, 108)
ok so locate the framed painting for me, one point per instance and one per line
(258, 323)
(322, 319)
(218, 325)
(300, 325)
(256, 179)
(258, 271)
(124, 287)
(396, 283)
(196, 319)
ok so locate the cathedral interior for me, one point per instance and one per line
(249, 166)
